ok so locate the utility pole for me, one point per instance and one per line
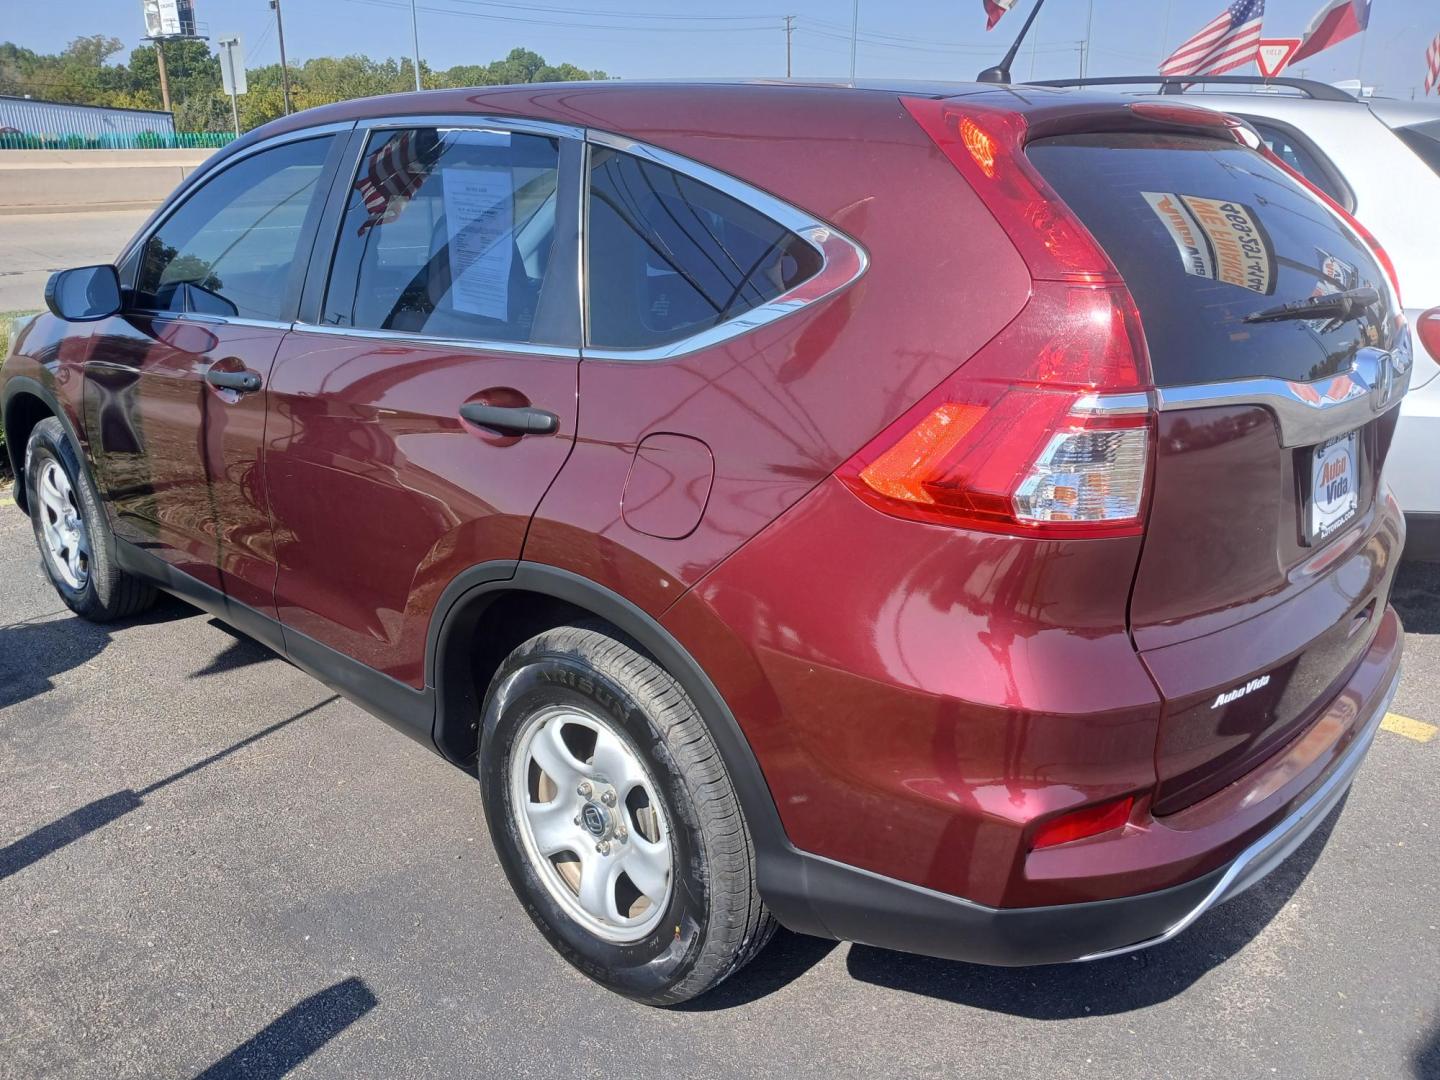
(284, 68)
(415, 40)
(789, 29)
(1089, 31)
(164, 76)
(854, 35)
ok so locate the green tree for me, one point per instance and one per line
(83, 74)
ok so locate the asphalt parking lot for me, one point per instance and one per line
(211, 866)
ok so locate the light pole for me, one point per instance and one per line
(415, 40)
(1085, 49)
(284, 68)
(854, 35)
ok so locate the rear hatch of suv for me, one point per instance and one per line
(1266, 556)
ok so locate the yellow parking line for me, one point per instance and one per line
(1418, 730)
(6, 502)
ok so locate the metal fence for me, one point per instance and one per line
(31, 124)
(144, 140)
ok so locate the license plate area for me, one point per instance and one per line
(1333, 496)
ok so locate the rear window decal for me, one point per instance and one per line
(1185, 231)
(1217, 239)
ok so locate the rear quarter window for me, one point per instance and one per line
(1206, 232)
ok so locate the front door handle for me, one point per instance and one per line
(511, 419)
(244, 382)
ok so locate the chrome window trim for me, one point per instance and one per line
(1310, 412)
(525, 348)
(203, 319)
(269, 143)
(473, 121)
(842, 260)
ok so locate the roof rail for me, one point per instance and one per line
(1178, 84)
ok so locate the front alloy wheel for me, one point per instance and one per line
(62, 527)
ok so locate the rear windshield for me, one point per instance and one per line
(1206, 232)
(1424, 139)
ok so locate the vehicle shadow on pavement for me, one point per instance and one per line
(1427, 1058)
(296, 1034)
(34, 651)
(241, 652)
(50, 838)
(1101, 987)
(1416, 597)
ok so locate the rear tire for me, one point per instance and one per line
(622, 733)
(72, 532)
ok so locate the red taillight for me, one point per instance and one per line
(1045, 432)
(1366, 236)
(985, 144)
(1086, 822)
(1428, 328)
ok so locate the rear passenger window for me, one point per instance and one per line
(669, 256)
(449, 233)
(230, 248)
(1302, 159)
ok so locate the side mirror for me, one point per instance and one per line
(84, 294)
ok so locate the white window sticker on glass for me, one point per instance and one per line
(479, 220)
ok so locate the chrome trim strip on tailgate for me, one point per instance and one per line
(1311, 412)
(1275, 846)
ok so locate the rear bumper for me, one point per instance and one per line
(832, 899)
(1410, 465)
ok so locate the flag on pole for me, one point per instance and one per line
(996, 8)
(1332, 24)
(1227, 42)
(1432, 65)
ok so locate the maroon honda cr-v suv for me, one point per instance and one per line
(944, 518)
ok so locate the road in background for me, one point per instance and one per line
(34, 246)
(206, 859)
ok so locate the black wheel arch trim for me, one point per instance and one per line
(780, 867)
(23, 384)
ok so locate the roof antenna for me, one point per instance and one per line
(1000, 73)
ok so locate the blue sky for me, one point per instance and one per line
(926, 39)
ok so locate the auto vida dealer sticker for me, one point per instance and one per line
(1334, 493)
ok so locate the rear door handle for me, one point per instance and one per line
(245, 382)
(511, 419)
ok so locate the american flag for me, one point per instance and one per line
(994, 9)
(1227, 42)
(1432, 65)
(391, 174)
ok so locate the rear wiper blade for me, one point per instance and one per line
(1337, 306)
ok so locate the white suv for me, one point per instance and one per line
(1380, 159)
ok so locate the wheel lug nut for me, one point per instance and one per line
(585, 789)
(577, 819)
(608, 798)
(603, 847)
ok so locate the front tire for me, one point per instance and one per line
(616, 822)
(72, 532)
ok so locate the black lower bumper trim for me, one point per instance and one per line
(818, 896)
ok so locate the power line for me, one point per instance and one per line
(768, 27)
